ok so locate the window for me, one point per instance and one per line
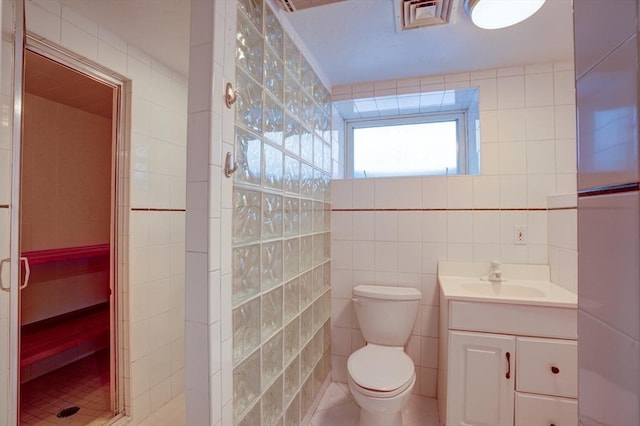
(411, 134)
(429, 144)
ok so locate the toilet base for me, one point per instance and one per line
(381, 411)
(380, 419)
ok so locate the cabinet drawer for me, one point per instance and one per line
(508, 318)
(547, 366)
(538, 410)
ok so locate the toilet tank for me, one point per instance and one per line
(386, 314)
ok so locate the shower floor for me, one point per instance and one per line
(83, 384)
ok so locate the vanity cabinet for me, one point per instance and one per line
(508, 368)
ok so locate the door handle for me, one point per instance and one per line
(27, 272)
(2, 262)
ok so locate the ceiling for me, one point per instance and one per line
(356, 40)
(158, 27)
(51, 80)
(359, 39)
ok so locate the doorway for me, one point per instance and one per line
(68, 297)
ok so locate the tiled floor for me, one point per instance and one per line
(337, 408)
(83, 384)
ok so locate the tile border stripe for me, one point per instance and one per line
(533, 209)
(143, 209)
(551, 209)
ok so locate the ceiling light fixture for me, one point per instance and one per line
(493, 14)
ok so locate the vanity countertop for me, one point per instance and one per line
(521, 284)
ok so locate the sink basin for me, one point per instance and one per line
(503, 289)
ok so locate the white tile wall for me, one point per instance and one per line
(609, 273)
(563, 241)
(528, 153)
(608, 315)
(155, 285)
(608, 392)
(211, 135)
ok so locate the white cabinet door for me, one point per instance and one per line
(481, 379)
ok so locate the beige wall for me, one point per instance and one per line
(66, 176)
(66, 202)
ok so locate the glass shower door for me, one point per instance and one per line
(11, 61)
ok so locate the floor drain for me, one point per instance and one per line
(68, 412)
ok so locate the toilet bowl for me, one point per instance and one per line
(381, 375)
(381, 380)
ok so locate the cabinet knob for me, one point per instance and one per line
(552, 424)
(555, 370)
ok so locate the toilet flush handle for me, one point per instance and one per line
(358, 301)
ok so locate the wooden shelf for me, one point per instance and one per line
(55, 335)
(38, 257)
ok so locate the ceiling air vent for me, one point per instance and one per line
(412, 14)
(293, 5)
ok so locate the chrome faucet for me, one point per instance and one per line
(495, 274)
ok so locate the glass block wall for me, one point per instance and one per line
(281, 222)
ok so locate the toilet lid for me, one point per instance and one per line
(380, 368)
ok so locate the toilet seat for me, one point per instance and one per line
(381, 371)
(383, 394)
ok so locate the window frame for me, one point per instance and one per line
(462, 144)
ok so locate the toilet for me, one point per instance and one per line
(381, 375)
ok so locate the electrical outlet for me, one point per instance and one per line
(520, 234)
